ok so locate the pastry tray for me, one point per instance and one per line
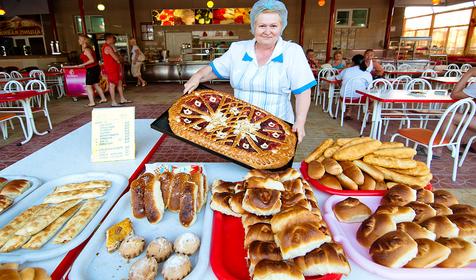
(319, 186)
(35, 183)
(162, 124)
(95, 262)
(345, 234)
(51, 250)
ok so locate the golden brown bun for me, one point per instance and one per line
(329, 152)
(394, 249)
(373, 228)
(250, 219)
(34, 273)
(270, 270)
(376, 174)
(316, 170)
(176, 186)
(441, 209)
(351, 210)
(13, 266)
(14, 188)
(399, 195)
(259, 250)
(462, 252)
(415, 230)
(390, 162)
(264, 183)
(399, 214)
(420, 181)
(400, 152)
(220, 203)
(369, 183)
(295, 186)
(298, 199)
(347, 183)
(391, 184)
(445, 197)
(330, 182)
(324, 260)
(466, 224)
(423, 211)
(343, 141)
(332, 166)
(441, 226)
(319, 150)
(259, 232)
(425, 196)
(353, 172)
(165, 179)
(9, 274)
(463, 209)
(220, 186)
(236, 201)
(281, 176)
(153, 200)
(137, 198)
(356, 140)
(430, 254)
(357, 151)
(381, 186)
(262, 202)
(292, 216)
(389, 145)
(420, 170)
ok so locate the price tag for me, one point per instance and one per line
(113, 134)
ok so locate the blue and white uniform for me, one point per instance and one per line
(268, 86)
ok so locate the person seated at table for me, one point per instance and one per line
(357, 70)
(373, 67)
(313, 63)
(337, 61)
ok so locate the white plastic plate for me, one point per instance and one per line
(345, 234)
(35, 183)
(51, 250)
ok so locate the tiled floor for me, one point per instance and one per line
(152, 100)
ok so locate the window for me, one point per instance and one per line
(94, 24)
(352, 17)
(452, 18)
(147, 31)
(418, 23)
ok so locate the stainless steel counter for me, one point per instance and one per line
(153, 71)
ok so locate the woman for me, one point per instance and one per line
(93, 71)
(358, 70)
(337, 60)
(136, 64)
(266, 70)
(312, 61)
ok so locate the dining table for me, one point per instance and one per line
(332, 82)
(445, 82)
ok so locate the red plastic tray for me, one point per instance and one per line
(227, 256)
(323, 188)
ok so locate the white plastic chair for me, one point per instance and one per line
(5, 76)
(404, 67)
(380, 85)
(453, 73)
(429, 73)
(389, 67)
(38, 74)
(40, 86)
(8, 117)
(401, 81)
(466, 150)
(320, 94)
(53, 69)
(345, 101)
(418, 84)
(465, 67)
(439, 137)
(452, 67)
(16, 75)
(12, 86)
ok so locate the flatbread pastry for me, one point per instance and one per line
(74, 226)
(18, 222)
(234, 128)
(39, 239)
(5, 202)
(75, 194)
(14, 188)
(13, 243)
(84, 185)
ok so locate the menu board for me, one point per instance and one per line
(171, 17)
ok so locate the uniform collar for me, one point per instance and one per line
(276, 56)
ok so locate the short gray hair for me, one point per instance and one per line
(271, 6)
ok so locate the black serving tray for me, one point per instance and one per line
(162, 124)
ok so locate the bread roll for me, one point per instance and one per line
(281, 176)
(423, 211)
(466, 224)
(373, 228)
(295, 200)
(220, 186)
(264, 183)
(137, 198)
(353, 172)
(324, 260)
(236, 203)
(347, 183)
(399, 195)
(369, 183)
(270, 270)
(331, 166)
(262, 202)
(351, 210)
(391, 184)
(415, 230)
(380, 186)
(430, 254)
(294, 186)
(259, 232)
(441, 226)
(9, 274)
(330, 182)
(389, 145)
(250, 219)
(399, 214)
(14, 188)
(13, 266)
(445, 197)
(201, 181)
(356, 140)
(370, 170)
(343, 141)
(176, 187)
(388, 174)
(463, 209)
(319, 150)
(34, 273)
(403, 152)
(330, 151)
(220, 203)
(394, 249)
(462, 252)
(441, 209)
(420, 170)
(357, 151)
(292, 216)
(258, 251)
(390, 162)
(315, 170)
(188, 204)
(425, 196)
(153, 201)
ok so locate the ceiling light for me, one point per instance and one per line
(321, 3)
(2, 12)
(210, 4)
(101, 7)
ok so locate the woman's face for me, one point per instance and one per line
(80, 40)
(338, 56)
(267, 28)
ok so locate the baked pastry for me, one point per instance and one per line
(34, 273)
(117, 233)
(441, 226)
(315, 170)
(188, 204)
(202, 189)
(351, 210)
(83, 185)
(187, 244)
(14, 188)
(18, 222)
(463, 209)
(376, 174)
(260, 232)
(319, 150)
(236, 203)
(330, 182)
(430, 254)
(5, 202)
(14, 243)
(220, 203)
(165, 179)
(425, 196)
(394, 249)
(399, 195)
(397, 152)
(220, 186)
(445, 197)
(398, 213)
(10, 274)
(369, 183)
(153, 201)
(159, 249)
(466, 224)
(132, 246)
(137, 197)
(327, 259)
(380, 186)
(373, 228)
(3, 181)
(289, 200)
(292, 216)
(353, 172)
(329, 152)
(441, 209)
(79, 221)
(144, 269)
(76, 194)
(416, 231)
(390, 162)
(391, 175)
(357, 150)
(176, 187)
(423, 211)
(346, 182)
(269, 269)
(332, 166)
(259, 251)
(176, 267)
(250, 219)
(234, 128)
(420, 170)
(462, 252)
(262, 202)
(264, 183)
(296, 186)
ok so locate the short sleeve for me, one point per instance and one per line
(470, 90)
(299, 72)
(221, 66)
(340, 76)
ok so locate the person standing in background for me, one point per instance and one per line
(112, 68)
(137, 60)
(373, 67)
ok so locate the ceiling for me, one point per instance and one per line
(405, 3)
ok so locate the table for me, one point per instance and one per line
(442, 82)
(332, 84)
(397, 96)
(70, 155)
(59, 76)
(415, 72)
(20, 80)
(24, 98)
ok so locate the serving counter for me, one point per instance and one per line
(40, 61)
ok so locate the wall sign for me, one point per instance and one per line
(21, 26)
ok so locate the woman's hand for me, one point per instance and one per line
(298, 127)
(191, 84)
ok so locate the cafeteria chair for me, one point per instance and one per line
(12, 86)
(37, 74)
(439, 138)
(343, 101)
(401, 82)
(379, 85)
(465, 67)
(404, 67)
(53, 69)
(388, 67)
(453, 73)
(39, 86)
(8, 117)
(318, 91)
(16, 75)
(429, 73)
(5, 76)
(452, 66)
(418, 84)
(466, 150)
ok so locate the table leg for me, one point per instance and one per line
(376, 120)
(30, 121)
(331, 99)
(61, 85)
